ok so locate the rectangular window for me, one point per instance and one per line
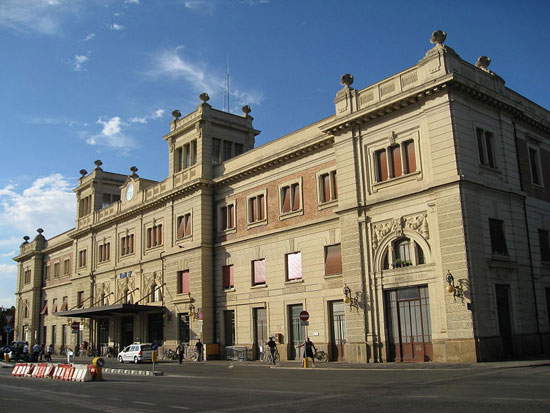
(290, 198)
(238, 149)
(79, 298)
(54, 305)
(178, 159)
(186, 155)
(534, 166)
(183, 282)
(183, 226)
(56, 269)
(104, 252)
(154, 236)
(409, 157)
(216, 151)
(46, 272)
(395, 156)
(66, 267)
(27, 276)
(485, 147)
(228, 277)
(544, 243)
(226, 150)
(85, 206)
(258, 272)
(227, 217)
(333, 259)
(65, 304)
(127, 245)
(498, 240)
(52, 342)
(327, 187)
(294, 266)
(193, 153)
(381, 164)
(82, 258)
(256, 208)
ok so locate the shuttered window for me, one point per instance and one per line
(327, 187)
(227, 219)
(154, 236)
(294, 266)
(258, 272)
(333, 259)
(409, 157)
(183, 282)
(396, 167)
(183, 226)
(256, 208)
(381, 163)
(291, 198)
(228, 277)
(498, 239)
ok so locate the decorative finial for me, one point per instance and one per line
(438, 37)
(134, 169)
(176, 114)
(483, 62)
(204, 97)
(246, 110)
(98, 164)
(83, 172)
(26, 238)
(346, 80)
(40, 230)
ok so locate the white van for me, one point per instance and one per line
(136, 353)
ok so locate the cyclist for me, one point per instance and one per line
(199, 348)
(272, 348)
(309, 349)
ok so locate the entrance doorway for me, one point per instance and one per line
(296, 331)
(504, 318)
(337, 330)
(260, 331)
(155, 327)
(408, 324)
(103, 335)
(183, 328)
(126, 331)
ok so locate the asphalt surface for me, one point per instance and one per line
(250, 387)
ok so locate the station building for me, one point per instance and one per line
(412, 224)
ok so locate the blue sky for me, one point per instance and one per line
(97, 79)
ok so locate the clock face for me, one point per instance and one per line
(129, 192)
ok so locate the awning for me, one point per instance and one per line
(111, 310)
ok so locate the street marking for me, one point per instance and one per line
(179, 407)
(145, 403)
(520, 399)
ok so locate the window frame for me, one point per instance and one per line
(253, 272)
(129, 248)
(501, 236)
(326, 250)
(180, 284)
(290, 184)
(264, 203)
(332, 175)
(231, 279)
(220, 218)
(486, 152)
(151, 238)
(183, 217)
(104, 252)
(294, 279)
(537, 166)
(82, 258)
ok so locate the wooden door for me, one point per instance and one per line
(408, 324)
(337, 330)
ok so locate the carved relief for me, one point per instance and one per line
(417, 223)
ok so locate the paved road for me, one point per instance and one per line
(214, 387)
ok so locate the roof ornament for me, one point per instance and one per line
(83, 172)
(483, 62)
(98, 164)
(246, 110)
(438, 37)
(204, 97)
(346, 80)
(176, 114)
(40, 231)
(26, 239)
(134, 169)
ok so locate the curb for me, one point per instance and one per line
(128, 372)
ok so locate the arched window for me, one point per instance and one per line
(401, 253)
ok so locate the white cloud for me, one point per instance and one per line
(116, 27)
(112, 135)
(157, 114)
(255, 2)
(202, 79)
(42, 16)
(89, 37)
(47, 203)
(49, 120)
(78, 62)
(7, 270)
(200, 6)
(131, 1)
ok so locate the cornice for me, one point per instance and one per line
(275, 161)
(200, 183)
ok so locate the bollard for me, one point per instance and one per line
(97, 364)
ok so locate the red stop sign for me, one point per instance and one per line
(304, 315)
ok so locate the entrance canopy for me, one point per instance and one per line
(111, 310)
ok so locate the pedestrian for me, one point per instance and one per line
(272, 348)
(42, 351)
(309, 349)
(180, 351)
(26, 351)
(199, 347)
(35, 352)
(49, 352)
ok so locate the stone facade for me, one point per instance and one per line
(412, 225)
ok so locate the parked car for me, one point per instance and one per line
(136, 353)
(15, 350)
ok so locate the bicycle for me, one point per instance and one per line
(268, 358)
(321, 356)
(170, 354)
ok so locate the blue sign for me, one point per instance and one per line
(8, 329)
(124, 274)
(154, 346)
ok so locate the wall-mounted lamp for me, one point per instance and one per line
(349, 299)
(456, 289)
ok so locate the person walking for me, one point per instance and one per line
(309, 350)
(272, 348)
(49, 352)
(180, 351)
(35, 352)
(42, 351)
(26, 351)
(199, 347)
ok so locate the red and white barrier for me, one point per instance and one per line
(65, 372)
(81, 373)
(39, 370)
(22, 369)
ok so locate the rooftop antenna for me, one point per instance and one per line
(226, 105)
